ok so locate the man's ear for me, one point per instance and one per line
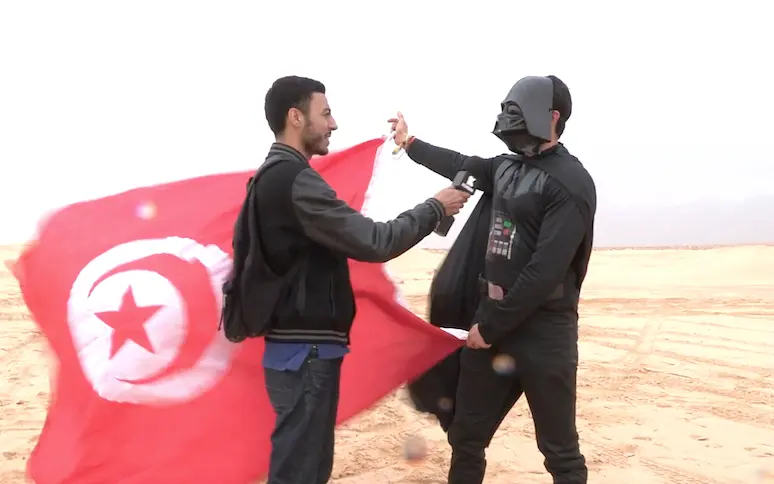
(555, 115)
(296, 118)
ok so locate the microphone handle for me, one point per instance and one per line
(444, 225)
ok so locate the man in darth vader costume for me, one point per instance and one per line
(513, 278)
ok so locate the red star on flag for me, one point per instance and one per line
(128, 323)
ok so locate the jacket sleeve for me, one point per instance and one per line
(561, 234)
(447, 163)
(332, 223)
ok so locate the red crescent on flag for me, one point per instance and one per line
(192, 280)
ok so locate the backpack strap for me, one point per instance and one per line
(270, 162)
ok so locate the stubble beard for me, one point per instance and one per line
(314, 143)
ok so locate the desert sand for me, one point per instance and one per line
(676, 381)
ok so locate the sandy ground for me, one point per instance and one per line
(676, 382)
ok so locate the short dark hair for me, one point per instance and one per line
(562, 102)
(286, 93)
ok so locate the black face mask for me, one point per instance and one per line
(521, 142)
(512, 130)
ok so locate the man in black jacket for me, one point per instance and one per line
(523, 338)
(304, 236)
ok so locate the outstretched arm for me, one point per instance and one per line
(331, 222)
(447, 163)
(442, 161)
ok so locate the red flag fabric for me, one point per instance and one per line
(127, 291)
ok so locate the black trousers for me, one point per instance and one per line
(484, 398)
(305, 402)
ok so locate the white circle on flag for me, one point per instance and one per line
(131, 327)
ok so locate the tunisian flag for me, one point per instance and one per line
(127, 289)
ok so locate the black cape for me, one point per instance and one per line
(456, 289)
(454, 297)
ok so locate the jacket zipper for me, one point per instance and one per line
(331, 299)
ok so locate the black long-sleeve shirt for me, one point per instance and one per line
(541, 232)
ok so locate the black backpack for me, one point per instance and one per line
(252, 289)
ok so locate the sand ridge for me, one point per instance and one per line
(676, 381)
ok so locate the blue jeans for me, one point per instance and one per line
(306, 402)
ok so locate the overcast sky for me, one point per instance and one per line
(672, 100)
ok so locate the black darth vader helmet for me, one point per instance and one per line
(525, 121)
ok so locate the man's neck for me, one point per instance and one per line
(293, 144)
(548, 146)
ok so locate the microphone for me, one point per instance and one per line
(465, 182)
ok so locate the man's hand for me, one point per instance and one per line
(452, 200)
(475, 340)
(399, 128)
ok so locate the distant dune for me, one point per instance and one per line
(699, 224)
(652, 248)
(694, 224)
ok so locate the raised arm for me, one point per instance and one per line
(331, 222)
(442, 161)
(447, 163)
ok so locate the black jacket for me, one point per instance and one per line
(291, 276)
(549, 202)
(558, 253)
